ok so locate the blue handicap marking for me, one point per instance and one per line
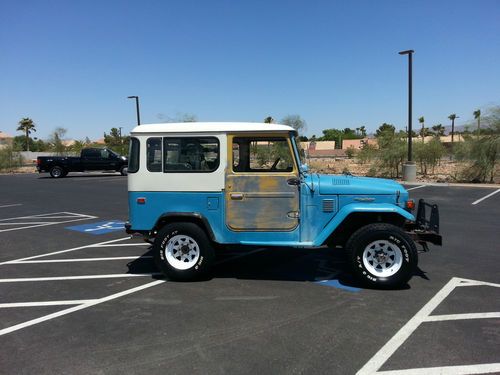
(336, 284)
(100, 227)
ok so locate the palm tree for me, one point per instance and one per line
(439, 130)
(477, 116)
(362, 129)
(27, 126)
(422, 120)
(452, 117)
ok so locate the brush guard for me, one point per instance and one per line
(426, 226)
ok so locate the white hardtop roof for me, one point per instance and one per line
(210, 127)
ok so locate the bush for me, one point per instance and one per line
(482, 156)
(9, 159)
(351, 152)
(367, 153)
(428, 155)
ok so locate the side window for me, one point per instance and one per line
(153, 154)
(191, 154)
(262, 155)
(133, 157)
(91, 153)
(104, 154)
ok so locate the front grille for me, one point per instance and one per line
(328, 205)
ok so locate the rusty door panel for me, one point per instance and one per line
(257, 202)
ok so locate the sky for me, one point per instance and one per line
(72, 64)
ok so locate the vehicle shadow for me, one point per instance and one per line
(76, 176)
(274, 264)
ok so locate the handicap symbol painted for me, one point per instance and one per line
(101, 227)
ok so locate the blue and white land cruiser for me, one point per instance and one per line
(195, 186)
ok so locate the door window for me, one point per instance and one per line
(262, 155)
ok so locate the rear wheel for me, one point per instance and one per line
(382, 255)
(57, 172)
(183, 251)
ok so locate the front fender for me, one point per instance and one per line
(359, 207)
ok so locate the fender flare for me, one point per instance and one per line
(185, 216)
(358, 208)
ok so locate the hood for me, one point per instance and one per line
(353, 185)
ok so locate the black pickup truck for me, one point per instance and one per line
(91, 159)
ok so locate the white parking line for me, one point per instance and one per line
(442, 318)
(45, 303)
(11, 205)
(416, 187)
(487, 368)
(83, 277)
(424, 316)
(485, 197)
(63, 251)
(82, 259)
(79, 307)
(34, 221)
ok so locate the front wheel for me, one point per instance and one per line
(123, 170)
(183, 251)
(382, 255)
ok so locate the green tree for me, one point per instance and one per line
(362, 130)
(268, 120)
(116, 142)
(385, 129)
(438, 130)
(27, 126)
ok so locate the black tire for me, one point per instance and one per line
(123, 170)
(183, 237)
(57, 172)
(395, 250)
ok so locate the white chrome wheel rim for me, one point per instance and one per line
(182, 252)
(56, 172)
(382, 258)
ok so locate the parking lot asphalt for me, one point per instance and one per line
(80, 301)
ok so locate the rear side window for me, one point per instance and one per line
(153, 154)
(133, 157)
(191, 154)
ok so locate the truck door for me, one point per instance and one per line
(261, 184)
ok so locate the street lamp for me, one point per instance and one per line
(137, 107)
(409, 168)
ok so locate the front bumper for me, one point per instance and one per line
(426, 226)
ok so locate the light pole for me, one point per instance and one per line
(409, 168)
(137, 107)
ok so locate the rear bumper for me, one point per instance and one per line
(426, 226)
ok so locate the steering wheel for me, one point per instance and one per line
(275, 164)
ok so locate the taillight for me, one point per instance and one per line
(141, 200)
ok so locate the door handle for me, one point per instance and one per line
(293, 181)
(236, 196)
